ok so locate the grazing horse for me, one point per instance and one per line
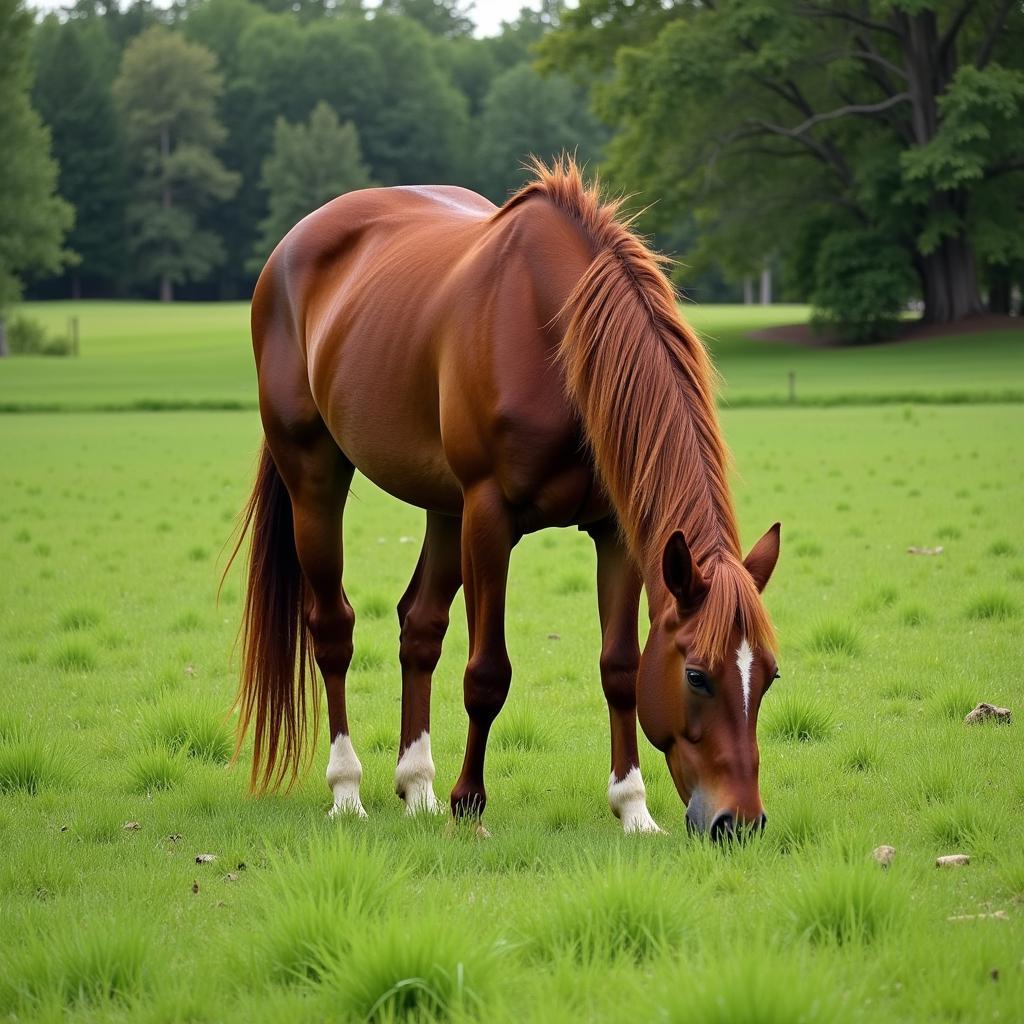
(505, 370)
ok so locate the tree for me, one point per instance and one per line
(33, 218)
(779, 120)
(72, 92)
(439, 17)
(167, 93)
(309, 165)
(526, 115)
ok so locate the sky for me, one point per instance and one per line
(488, 14)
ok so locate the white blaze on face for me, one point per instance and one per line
(628, 800)
(414, 777)
(344, 773)
(744, 662)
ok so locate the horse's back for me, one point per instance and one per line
(426, 324)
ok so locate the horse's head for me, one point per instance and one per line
(700, 709)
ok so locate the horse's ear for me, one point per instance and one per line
(760, 563)
(681, 576)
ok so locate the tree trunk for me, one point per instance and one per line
(76, 284)
(748, 291)
(1000, 291)
(766, 286)
(949, 282)
(166, 289)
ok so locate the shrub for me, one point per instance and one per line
(862, 283)
(29, 338)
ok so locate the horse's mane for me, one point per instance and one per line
(644, 387)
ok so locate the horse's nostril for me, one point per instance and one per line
(722, 827)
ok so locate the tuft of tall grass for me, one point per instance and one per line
(197, 730)
(995, 606)
(367, 659)
(94, 964)
(610, 910)
(432, 971)
(572, 583)
(751, 986)
(844, 904)
(798, 821)
(81, 617)
(374, 606)
(954, 701)
(953, 825)
(832, 636)
(28, 763)
(519, 729)
(74, 657)
(798, 717)
(155, 769)
(319, 904)
(1001, 549)
(914, 615)
(861, 754)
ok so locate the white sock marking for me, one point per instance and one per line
(414, 777)
(344, 773)
(628, 800)
(744, 661)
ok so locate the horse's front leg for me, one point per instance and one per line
(488, 537)
(618, 601)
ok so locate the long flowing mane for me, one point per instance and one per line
(644, 388)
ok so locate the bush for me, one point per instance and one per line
(29, 338)
(861, 285)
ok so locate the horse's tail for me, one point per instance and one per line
(272, 694)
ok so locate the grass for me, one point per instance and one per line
(198, 356)
(118, 676)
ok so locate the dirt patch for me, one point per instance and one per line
(915, 330)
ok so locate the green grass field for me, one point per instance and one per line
(118, 672)
(199, 355)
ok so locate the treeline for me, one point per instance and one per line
(189, 140)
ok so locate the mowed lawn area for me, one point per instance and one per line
(146, 355)
(119, 672)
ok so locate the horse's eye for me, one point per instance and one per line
(698, 681)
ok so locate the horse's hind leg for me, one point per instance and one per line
(618, 599)
(318, 476)
(423, 617)
(488, 536)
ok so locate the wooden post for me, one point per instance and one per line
(792, 386)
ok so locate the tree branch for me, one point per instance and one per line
(985, 53)
(842, 15)
(949, 38)
(850, 108)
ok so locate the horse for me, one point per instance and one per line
(505, 370)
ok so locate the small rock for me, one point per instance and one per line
(915, 550)
(190, 670)
(984, 712)
(131, 826)
(63, 828)
(205, 858)
(554, 636)
(884, 854)
(231, 877)
(952, 860)
(195, 885)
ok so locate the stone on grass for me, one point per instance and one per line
(205, 858)
(985, 712)
(884, 854)
(952, 860)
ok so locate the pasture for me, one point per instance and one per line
(118, 672)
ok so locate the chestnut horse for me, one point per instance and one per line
(505, 370)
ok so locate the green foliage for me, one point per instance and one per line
(783, 125)
(309, 165)
(27, 337)
(33, 218)
(75, 62)
(861, 286)
(798, 718)
(167, 94)
(844, 904)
